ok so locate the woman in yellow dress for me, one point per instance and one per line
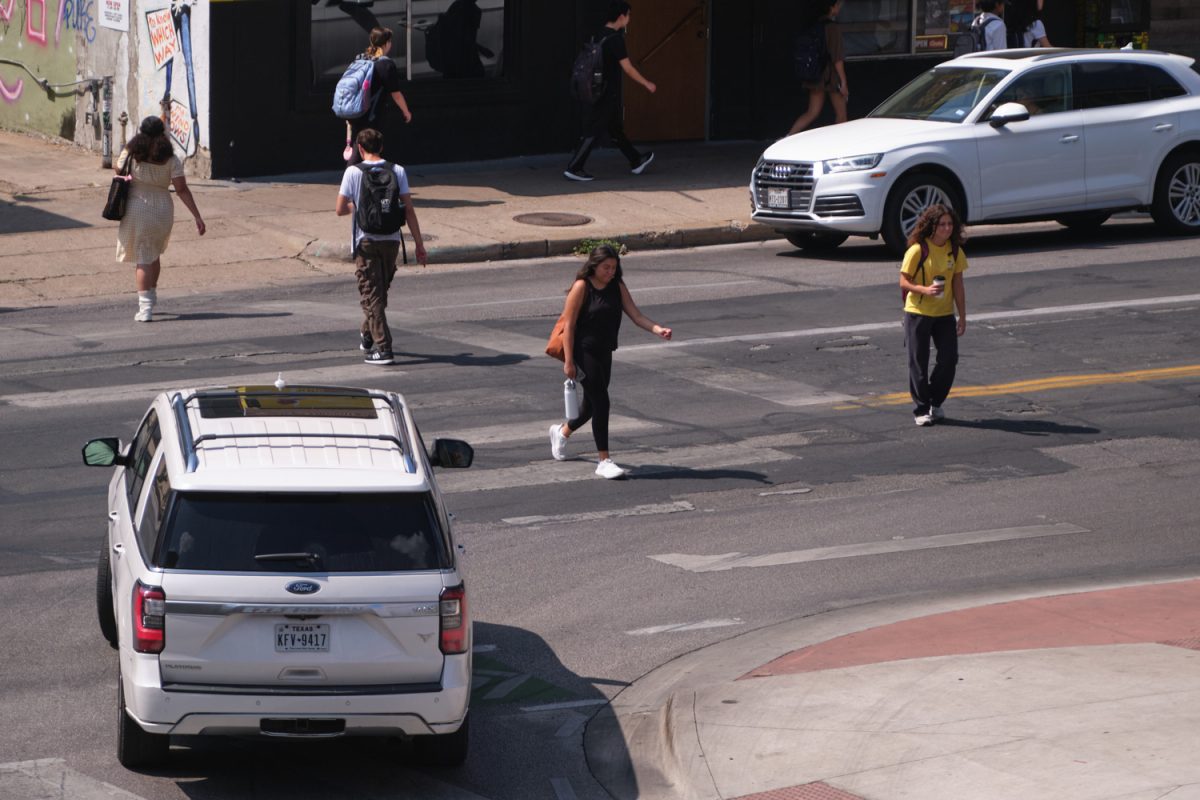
(146, 227)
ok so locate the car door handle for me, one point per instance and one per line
(1163, 126)
(114, 516)
(1070, 137)
(118, 548)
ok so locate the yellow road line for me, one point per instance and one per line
(1043, 384)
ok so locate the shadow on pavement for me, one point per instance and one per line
(659, 472)
(1031, 427)
(21, 218)
(459, 359)
(207, 315)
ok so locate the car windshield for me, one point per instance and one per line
(945, 94)
(261, 532)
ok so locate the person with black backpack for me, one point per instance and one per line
(819, 63)
(376, 192)
(596, 83)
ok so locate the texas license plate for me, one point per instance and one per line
(294, 638)
(779, 198)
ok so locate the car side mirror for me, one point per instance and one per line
(1008, 112)
(451, 453)
(104, 453)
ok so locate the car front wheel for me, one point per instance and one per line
(1176, 204)
(911, 195)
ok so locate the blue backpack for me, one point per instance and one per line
(352, 97)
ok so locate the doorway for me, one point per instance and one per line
(668, 43)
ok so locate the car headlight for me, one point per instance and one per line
(852, 163)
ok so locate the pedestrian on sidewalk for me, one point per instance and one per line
(385, 83)
(365, 191)
(145, 229)
(592, 317)
(606, 114)
(934, 258)
(820, 28)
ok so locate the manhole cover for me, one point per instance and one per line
(552, 219)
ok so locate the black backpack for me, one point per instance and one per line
(974, 40)
(810, 54)
(587, 74)
(379, 209)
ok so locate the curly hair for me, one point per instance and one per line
(598, 256)
(927, 224)
(151, 144)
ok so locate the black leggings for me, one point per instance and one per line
(597, 370)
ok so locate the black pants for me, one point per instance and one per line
(603, 119)
(930, 389)
(597, 370)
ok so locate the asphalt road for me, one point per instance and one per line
(776, 474)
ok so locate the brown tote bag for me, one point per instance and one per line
(555, 347)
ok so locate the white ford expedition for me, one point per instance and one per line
(279, 562)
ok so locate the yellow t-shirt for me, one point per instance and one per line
(940, 262)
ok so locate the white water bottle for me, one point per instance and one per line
(570, 399)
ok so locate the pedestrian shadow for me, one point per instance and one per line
(459, 359)
(450, 203)
(659, 472)
(201, 316)
(1025, 427)
(21, 218)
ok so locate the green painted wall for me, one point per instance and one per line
(42, 35)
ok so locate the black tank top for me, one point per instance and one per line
(600, 317)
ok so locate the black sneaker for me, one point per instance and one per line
(642, 163)
(578, 175)
(365, 342)
(379, 358)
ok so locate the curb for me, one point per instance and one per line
(733, 232)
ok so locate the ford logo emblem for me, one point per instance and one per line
(303, 587)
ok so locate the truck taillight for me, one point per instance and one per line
(149, 618)
(453, 611)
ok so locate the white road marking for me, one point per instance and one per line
(562, 789)
(564, 704)
(505, 688)
(484, 648)
(728, 561)
(558, 298)
(685, 626)
(508, 432)
(805, 490)
(976, 317)
(47, 778)
(756, 450)
(589, 516)
(574, 722)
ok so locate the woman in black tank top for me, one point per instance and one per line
(592, 314)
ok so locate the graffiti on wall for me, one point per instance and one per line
(170, 35)
(74, 15)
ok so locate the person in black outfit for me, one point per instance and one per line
(385, 80)
(606, 115)
(593, 310)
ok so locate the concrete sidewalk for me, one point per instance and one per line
(1078, 693)
(55, 248)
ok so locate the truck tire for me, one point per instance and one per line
(136, 747)
(446, 749)
(104, 598)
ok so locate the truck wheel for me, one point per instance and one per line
(104, 598)
(136, 747)
(446, 749)
(911, 195)
(815, 242)
(1176, 205)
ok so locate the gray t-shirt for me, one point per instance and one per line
(351, 183)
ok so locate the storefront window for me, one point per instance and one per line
(940, 22)
(433, 39)
(875, 27)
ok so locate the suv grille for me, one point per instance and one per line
(838, 205)
(796, 179)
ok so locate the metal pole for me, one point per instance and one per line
(106, 124)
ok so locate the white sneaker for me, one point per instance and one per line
(924, 420)
(144, 315)
(608, 470)
(937, 413)
(558, 443)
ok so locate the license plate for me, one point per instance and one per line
(779, 198)
(294, 638)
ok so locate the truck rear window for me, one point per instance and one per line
(243, 532)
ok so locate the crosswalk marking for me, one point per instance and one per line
(727, 561)
(591, 516)
(45, 778)
(618, 425)
(682, 627)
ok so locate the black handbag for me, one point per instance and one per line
(118, 194)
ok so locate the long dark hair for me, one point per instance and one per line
(927, 225)
(598, 256)
(151, 144)
(816, 11)
(1018, 16)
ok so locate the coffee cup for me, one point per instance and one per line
(939, 283)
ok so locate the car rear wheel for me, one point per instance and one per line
(104, 598)
(445, 750)
(911, 195)
(1083, 220)
(816, 242)
(136, 747)
(1176, 204)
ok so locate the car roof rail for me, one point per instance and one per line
(189, 443)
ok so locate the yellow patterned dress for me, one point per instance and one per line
(146, 227)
